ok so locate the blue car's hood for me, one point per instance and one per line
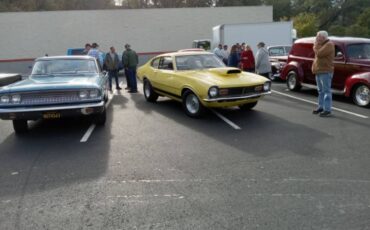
(37, 83)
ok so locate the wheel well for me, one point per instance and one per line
(354, 87)
(184, 90)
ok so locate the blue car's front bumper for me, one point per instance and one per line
(49, 112)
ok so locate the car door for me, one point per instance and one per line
(340, 73)
(152, 74)
(167, 80)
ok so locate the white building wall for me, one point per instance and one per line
(32, 34)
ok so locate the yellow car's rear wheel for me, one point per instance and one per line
(192, 105)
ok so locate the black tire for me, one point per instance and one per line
(100, 119)
(149, 93)
(361, 95)
(192, 105)
(248, 106)
(20, 126)
(292, 81)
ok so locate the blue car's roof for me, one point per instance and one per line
(77, 57)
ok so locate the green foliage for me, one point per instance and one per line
(357, 31)
(337, 30)
(338, 17)
(305, 24)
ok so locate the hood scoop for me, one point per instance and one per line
(226, 71)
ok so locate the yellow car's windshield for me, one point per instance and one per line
(198, 61)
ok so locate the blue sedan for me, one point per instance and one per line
(61, 86)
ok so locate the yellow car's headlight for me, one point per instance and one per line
(213, 91)
(267, 86)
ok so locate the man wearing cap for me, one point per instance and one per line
(130, 61)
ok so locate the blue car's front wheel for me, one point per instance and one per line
(20, 126)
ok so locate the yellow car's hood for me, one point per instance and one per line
(226, 77)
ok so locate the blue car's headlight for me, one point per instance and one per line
(83, 94)
(16, 99)
(94, 93)
(5, 99)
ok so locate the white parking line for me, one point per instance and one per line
(232, 124)
(315, 103)
(89, 131)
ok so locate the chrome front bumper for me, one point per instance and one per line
(234, 98)
(32, 113)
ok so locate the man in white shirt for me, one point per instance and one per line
(218, 52)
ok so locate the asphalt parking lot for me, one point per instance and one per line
(152, 167)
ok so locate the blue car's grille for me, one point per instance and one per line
(50, 98)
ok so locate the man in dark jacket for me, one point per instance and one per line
(112, 64)
(130, 61)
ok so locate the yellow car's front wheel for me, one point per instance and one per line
(192, 105)
(149, 93)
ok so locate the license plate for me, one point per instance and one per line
(51, 115)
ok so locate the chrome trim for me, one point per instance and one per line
(38, 109)
(235, 98)
(334, 91)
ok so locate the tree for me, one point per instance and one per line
(305, 24)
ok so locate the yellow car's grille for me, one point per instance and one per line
(240, 91)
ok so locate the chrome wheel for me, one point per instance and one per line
(149, 93)
(292, 82)
(147, 90)
(192, 103)
(361, 95)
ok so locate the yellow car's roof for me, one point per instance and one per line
(184, 53)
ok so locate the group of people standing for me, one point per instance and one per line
(111, 63)
(241, 56)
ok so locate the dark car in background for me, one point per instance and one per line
(278, 57)
(9, 78)
(351, 67)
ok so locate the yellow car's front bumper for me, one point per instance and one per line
(232, 101)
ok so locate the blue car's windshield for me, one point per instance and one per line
(64, 66)
(201, 61)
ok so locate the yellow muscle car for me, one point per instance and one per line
(199, 79)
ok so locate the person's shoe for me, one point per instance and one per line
(118, 88)
(325, 114)
(317, 111)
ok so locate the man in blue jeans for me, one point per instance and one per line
(130, 61)
(323, 67)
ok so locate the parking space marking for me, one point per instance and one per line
(90, 130)
(315, 103)
(88, 133)
(232, 124)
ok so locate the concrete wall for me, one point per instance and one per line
(33, 34)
